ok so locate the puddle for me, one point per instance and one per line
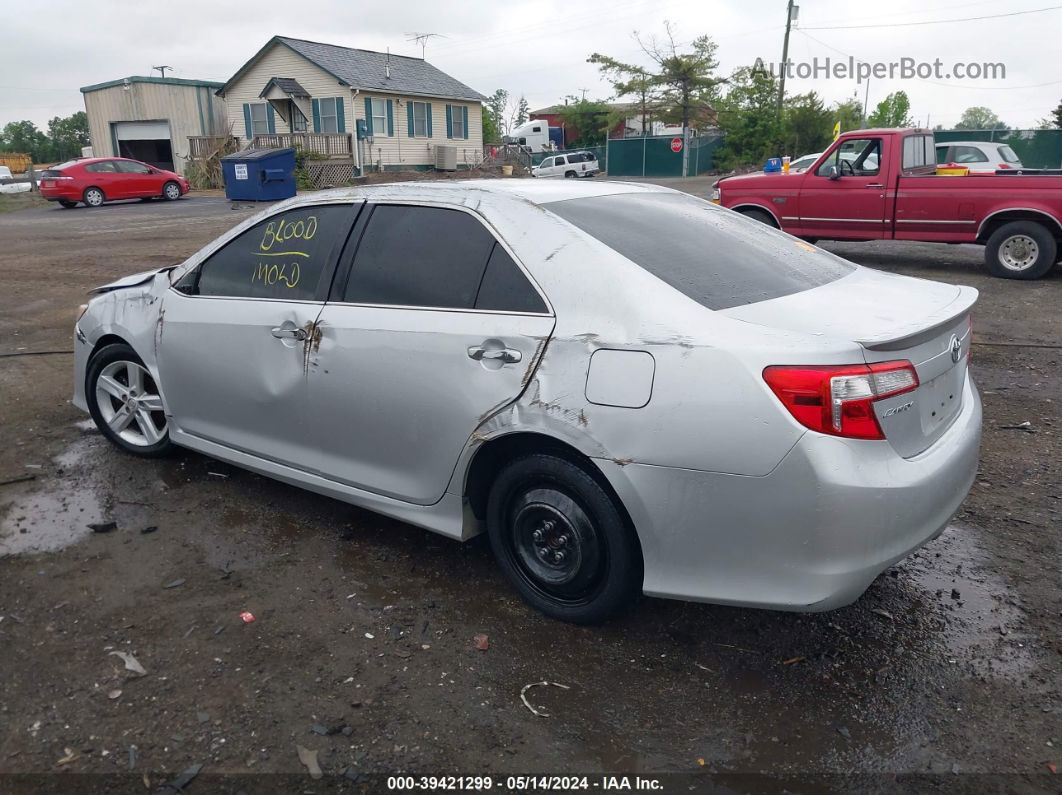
(980, 617)
(45, 521)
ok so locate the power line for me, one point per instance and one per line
(934, 21)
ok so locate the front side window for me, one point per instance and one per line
(259, 119)
(129, 167)
(420, 119)
(379, 116)
(419, 256)
(716, 257)
(106, 167)
(329, 118)
(284, 257)
(856, 157)
(547, 162)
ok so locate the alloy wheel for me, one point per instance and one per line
(129, 403)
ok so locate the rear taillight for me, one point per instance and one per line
(839, 400)
(1003, 165)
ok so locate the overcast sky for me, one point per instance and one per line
(538, 49)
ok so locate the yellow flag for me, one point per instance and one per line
(836, 130)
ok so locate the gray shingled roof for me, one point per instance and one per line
(367, 70)
(288, 85)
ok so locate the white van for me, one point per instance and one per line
(571, 164)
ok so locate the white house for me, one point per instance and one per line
(311, 94)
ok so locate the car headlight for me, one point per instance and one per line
(716, 196)
(81, 310)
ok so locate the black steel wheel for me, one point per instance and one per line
(562, 541)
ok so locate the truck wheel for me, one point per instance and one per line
(1020, 250)
(570, 175)
(762, 216)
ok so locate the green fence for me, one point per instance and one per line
(1035, 148)
(653, 156)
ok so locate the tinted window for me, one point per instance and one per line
(505, 288)
(106, 167)
(968, 154)
(419, 256)
(1008, 154)
(715, 256)
(284, 257)
(129, 167)
(942, 154)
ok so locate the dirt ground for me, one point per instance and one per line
(944, 675)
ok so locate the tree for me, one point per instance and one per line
(23, 136)
(893, 111)
(588, 119)
(807, 124)
(748, 114)
(522, 110)
(1057, 114)
(849, 113)
(686, 80)
(68, 135)
(980, 118)
(630, 81)
(495, 113)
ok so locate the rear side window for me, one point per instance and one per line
(504, 287)
(917, 151)
(129, 167)
(714, 256)
(1008, 154)
(285, 257)
(968, 154)
(419, 256)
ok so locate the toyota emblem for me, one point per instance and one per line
(956, 348)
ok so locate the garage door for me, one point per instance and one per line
(148, 141)
(141, 130)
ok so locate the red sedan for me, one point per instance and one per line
(96, 180)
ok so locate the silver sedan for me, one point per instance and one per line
(629, 389)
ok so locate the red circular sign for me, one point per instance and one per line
(676, 144)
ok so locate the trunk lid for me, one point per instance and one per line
(892, 318)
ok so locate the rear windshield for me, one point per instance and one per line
(715, 256)
(1008, 154)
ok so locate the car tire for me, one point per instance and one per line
(1020, 250)
(570, 175)
(562, 540)
(123, 398)
(171, 191)
(69, 205)
(93, 197)
(762, 216)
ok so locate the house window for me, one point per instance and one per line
(298, 121)
(379, 116)
(259, 120)
(329, 122)
(458, 116)
(420, 119)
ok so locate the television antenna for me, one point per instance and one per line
(422, 40)
(162, 69)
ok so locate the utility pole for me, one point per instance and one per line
(785, 53)
(162, 69)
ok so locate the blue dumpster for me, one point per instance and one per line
(259, 174)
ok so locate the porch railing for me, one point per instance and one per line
(203, 146)
(327, 144)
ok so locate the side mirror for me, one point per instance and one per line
(833, 173)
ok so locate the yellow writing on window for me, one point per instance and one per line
(282, 230)
(271, 273)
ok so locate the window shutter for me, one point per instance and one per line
(427, 106)
(464, 115)
(409, 117)
(390, 118)
(316, 115)
(248, 132)
(341, 115)
(449, 121)
(271, 118)
(368, 117)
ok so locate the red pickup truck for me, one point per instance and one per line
(882, 185)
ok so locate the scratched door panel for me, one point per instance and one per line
(395, 393)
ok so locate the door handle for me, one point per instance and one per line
(875, 185)
(505, 355)
(282, 333)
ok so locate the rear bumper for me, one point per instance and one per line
(811, 535)
(67, 192)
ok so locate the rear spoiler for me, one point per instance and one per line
(130, 281)
(920, 332)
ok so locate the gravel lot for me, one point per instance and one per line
(946, 673)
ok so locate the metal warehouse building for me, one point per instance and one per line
(151, 118)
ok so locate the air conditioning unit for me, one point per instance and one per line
(446, 158)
